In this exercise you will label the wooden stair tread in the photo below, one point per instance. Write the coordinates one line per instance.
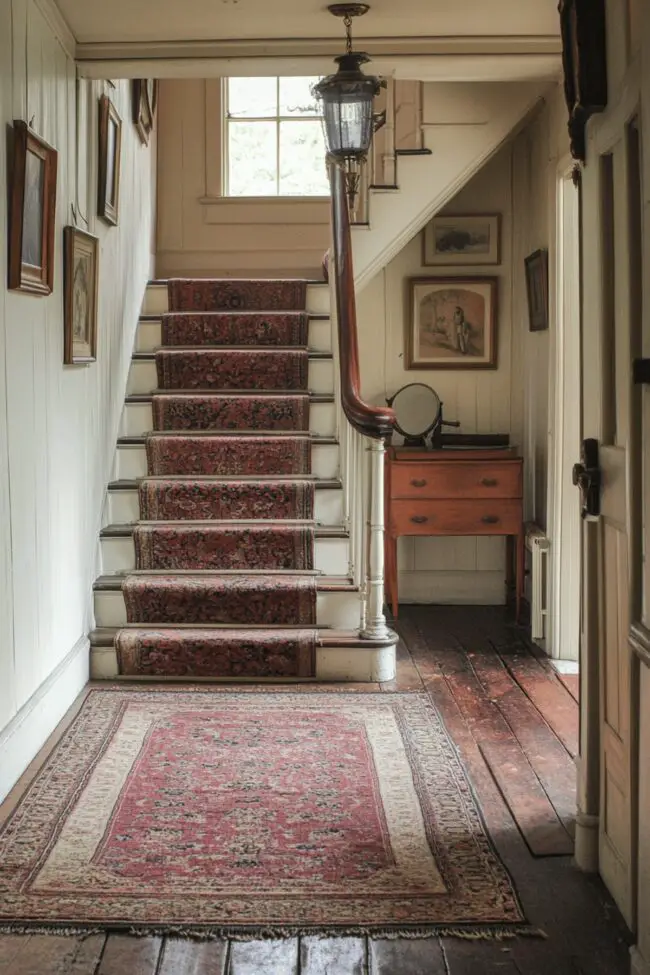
(113, 583)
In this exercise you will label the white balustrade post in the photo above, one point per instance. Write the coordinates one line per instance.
(375, 626)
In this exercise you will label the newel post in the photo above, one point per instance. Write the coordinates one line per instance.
(375, 623)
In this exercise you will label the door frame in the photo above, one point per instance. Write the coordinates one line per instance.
(565, 577)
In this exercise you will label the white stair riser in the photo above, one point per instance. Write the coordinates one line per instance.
(156, 303)
(332, 663)
(131, 461)
(143, 377)
(336, 609)
(148, 336)
(137, 419)
(330, 555)
(122, 507)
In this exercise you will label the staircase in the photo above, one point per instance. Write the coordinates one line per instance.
(225, 553)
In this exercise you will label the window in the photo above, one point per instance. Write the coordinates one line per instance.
(274, 138)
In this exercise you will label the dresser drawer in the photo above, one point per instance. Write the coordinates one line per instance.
(450, 517)
(456, 479)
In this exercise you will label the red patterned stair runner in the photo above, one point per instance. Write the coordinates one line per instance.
(223, 585)
(230, 412)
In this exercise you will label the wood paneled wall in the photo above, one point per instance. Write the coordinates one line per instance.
(58, 424)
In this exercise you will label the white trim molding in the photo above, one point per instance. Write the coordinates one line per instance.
(638, 964)
(30, 728)
(58, 25)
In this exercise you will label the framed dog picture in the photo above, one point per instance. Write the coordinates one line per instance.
(537, 290)
(32, 209)
(461, 240)
(453, 323)
(79, 296)
(110, 149)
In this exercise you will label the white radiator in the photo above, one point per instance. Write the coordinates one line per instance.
(538, 545)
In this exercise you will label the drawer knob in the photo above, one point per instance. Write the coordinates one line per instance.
(489, 481)
(419, 519)
(490, 519)
(418, 482)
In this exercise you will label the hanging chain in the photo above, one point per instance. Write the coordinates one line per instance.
(347, 20)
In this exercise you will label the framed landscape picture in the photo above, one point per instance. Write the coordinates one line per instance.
(79, 296)
(462, 240)
(453, 323)
(537, 290)
(110, 148)
(32, 208)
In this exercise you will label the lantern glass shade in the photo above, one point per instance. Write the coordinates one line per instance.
(347, 100)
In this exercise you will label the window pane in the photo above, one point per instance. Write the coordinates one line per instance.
(302, 159)
(296, 98)
(252, 97)
(252, 159)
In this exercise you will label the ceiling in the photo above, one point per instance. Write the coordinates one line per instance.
(165, 21)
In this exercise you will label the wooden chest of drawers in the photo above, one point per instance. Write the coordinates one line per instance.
(454, 492)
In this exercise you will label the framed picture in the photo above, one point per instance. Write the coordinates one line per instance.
(144, 94)
(584, 62)
(461, 240)
(537, 290)
(452, 324)
(110, 147)
(80, 272)
(32, 210)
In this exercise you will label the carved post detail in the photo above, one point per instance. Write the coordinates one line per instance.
(375, 623)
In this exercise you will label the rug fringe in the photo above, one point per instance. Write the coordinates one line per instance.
(225, 932)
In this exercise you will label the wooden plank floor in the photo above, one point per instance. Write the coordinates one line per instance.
(515, 724)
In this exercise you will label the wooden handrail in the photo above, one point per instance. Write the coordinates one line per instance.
(371, 421)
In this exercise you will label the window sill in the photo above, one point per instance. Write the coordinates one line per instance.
(210, 201)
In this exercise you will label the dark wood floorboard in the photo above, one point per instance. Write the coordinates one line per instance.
(331, 956)
(411, 957)
(180, 957)
(495, 694)
(255, 957)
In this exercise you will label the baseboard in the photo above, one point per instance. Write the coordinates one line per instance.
(638, 964)
(30, 728)
(484, 588)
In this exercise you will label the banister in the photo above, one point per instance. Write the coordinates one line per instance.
(371, 421)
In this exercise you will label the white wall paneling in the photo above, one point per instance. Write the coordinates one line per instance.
(58, 424)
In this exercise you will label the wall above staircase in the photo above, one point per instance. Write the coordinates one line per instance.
(58, 424)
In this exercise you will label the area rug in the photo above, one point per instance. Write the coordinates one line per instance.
(224, 328)
(247, 600)
(206, 411)
(206, 545)
(231, 652)
(254, 815)
(228, 455)
(196, 499)
(232, 368)
(222, 294)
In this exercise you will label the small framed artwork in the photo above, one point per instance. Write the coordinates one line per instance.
(453, 323)
(537, 290)
(110, 149)
(32, 210)
(144, 94)
(461, 240)
(80, 273)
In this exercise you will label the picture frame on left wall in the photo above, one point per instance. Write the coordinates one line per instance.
(80, 277)
(110, 152)
(32, 212)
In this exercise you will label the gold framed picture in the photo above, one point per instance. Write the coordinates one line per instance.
(80, 275)
(452, 324)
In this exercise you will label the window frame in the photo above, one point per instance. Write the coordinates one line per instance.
(276, 119)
